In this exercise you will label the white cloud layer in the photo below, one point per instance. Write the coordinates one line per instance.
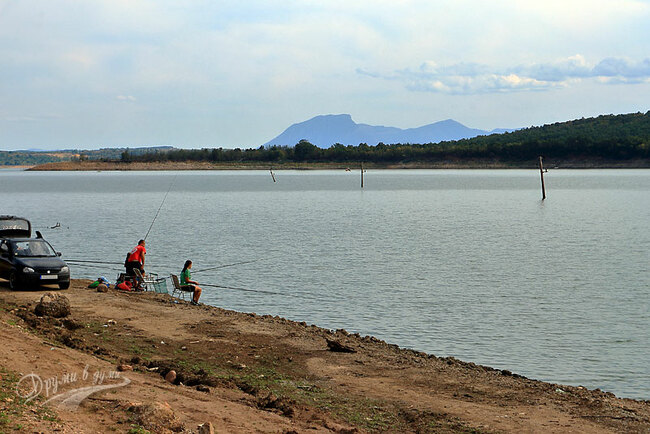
(472, 78)
(119, 72)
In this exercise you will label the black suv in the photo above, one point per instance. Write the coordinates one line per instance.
(27, 261)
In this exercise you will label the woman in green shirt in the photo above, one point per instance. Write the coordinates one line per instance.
(193, 284)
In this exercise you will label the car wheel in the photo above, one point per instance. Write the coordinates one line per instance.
(13, 281)
(64, 285)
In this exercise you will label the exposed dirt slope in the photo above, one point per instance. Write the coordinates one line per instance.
(248, 373)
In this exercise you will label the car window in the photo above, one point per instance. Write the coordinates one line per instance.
(33, 248)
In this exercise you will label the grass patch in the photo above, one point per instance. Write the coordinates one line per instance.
(367, 414)
(13, 408)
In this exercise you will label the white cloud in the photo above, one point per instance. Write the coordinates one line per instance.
(20, 119)
(472, 78)
(204, 71)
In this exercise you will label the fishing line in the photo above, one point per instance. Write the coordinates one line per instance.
(94, 262)
(227, 265)
(95, 266)
(264, 292)
(88, 264)
(161, 205)
(242, 289)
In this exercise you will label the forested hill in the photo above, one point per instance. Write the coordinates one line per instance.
(605, 138)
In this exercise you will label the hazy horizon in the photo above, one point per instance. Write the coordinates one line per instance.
(232, 147)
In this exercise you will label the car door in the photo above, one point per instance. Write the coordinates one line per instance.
(5, 260)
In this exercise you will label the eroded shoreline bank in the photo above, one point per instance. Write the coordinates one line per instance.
(245, 372)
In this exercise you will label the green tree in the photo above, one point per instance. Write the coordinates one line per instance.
(305, 151)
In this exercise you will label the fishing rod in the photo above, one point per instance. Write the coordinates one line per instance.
(94, 262)
(88, 264)
(81, 261)
(160, 207)
(227, 265)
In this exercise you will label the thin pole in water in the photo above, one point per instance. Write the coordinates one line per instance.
(541, 172)
(272, 174)
(362, 175)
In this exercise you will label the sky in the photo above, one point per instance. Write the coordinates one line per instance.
(115, 73)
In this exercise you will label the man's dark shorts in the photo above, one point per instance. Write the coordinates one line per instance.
(131, 265)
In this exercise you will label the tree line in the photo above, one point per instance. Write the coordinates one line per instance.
(611, 137)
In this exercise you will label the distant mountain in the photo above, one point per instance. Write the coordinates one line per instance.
(326, 130)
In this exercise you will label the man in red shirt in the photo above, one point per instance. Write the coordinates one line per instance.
(136, 258)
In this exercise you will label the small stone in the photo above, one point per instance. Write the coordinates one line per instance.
(184, 348)
(206, 428)
(203, 388)
(53, 305)
(338, 347)
(123, 368)
(157, 417)
(102, 288)
(171, 376)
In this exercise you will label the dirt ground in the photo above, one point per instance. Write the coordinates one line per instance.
(247, 373)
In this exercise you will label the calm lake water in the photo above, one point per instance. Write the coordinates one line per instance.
(470, 264)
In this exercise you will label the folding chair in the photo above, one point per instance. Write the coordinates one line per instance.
(180, 289)
(160, 286)
(140, 279)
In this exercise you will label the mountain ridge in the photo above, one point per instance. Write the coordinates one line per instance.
(327, 130)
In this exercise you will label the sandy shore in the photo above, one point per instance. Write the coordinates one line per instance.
(248, 373)
(25, 167)
(198, 165)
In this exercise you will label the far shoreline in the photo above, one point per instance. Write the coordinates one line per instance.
(352, 166)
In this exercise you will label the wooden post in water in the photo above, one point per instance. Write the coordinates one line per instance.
(362, 175)
(272, 174)
(541, 172)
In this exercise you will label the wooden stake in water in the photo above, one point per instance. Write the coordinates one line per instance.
(272, 174)
(541, 172)
(362, 175)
